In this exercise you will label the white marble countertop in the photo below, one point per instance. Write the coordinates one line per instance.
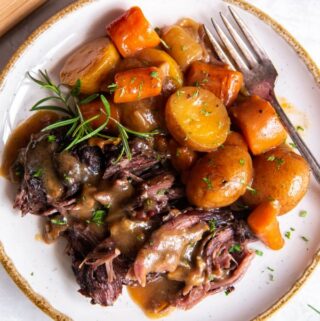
(302, 19)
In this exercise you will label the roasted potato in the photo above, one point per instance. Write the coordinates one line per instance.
(259, 124)
(219, 178)
(182, 157)
(279, 174)
(132, 32)
(181, 46)
(196, 118)
(143, 115)
(90, 63)
(156, 57)
(223, 82)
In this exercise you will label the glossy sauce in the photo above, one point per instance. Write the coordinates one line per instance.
(154, 298)
(20, 138)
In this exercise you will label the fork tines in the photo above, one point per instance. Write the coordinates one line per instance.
(246, 60)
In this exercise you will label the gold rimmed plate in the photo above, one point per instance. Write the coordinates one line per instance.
(52, 286)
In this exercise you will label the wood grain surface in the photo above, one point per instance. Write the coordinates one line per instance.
(12, 11)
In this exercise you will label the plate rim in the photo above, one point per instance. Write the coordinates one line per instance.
(5, 260)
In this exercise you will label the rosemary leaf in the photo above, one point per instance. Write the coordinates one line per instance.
(88, 99)
(93, 133)
(124, 138)
(61, 123)
(75, 91)
(43, 100)
(106, 104)
(51, 107)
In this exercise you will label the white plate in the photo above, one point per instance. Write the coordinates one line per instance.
(47, 270)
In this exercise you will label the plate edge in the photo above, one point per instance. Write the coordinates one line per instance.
(5, 260)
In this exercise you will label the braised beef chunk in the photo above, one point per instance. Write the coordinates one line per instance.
(31, 197)
(92, 157)
(204, 250)
(100, 274)
(127, 222)
(155, 195)
(144, 157)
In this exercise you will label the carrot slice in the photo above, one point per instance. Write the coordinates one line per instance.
(259, 124)
(224, 83)
(136, 84)
(95, 108)
(263, 222)
(132, 32)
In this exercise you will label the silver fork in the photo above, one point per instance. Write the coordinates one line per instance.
(259, 74)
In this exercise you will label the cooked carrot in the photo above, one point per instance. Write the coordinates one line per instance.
(263, 222)
(96, 108)
(136, 84)
(224, 83)
(236, 139)
(182, 157)
(259, 124)
(132, 32)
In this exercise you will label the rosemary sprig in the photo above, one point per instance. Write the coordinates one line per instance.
(80, 128)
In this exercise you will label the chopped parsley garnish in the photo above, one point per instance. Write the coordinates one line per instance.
(303, 213)
(270, 269)
(98, 217)
(52, 138)
(204, 112)
(207, 180)
(235, 248)
(140, 237)
(313, 308)
(292, 229)
(179, 92)
(271, 277)
(154, 74)
(299, 128)
(59, 221)
(304, 238)
(38, 173)
(229, 290)
(293, 145)
(164, 44)
(32, 274)
(242, 161)
(112, 87)
(161, 191)
(252, 190)
(279, 161)
(196, 93)
(258, 252)
(211, 277)
(140, 89)
(287, 235)
(212, 225)
(122, 91)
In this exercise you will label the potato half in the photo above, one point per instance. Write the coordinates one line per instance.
(281, 175)
(90, 63)
(196, 118)
(219, 178)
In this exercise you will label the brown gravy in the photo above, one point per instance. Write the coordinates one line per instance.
(20, 138)
(154, 298)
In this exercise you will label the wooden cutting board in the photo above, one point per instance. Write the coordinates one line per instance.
(12, 11)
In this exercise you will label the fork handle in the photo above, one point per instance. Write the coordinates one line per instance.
(296, 138)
